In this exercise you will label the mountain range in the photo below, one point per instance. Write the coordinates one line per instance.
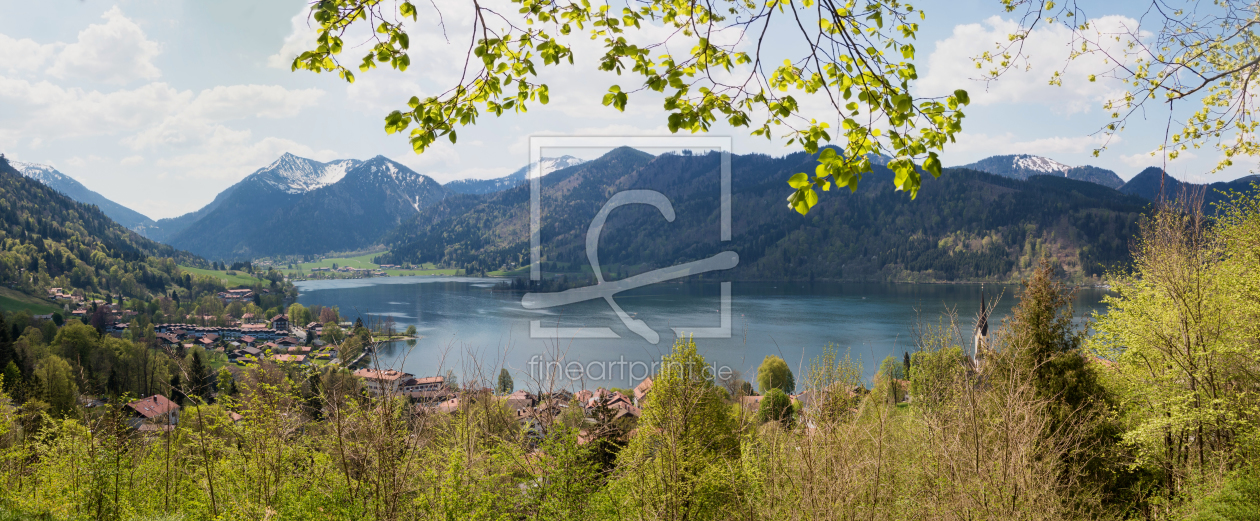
(301, 206)
(1147, 185)
(63, 183)
(49, 240)
(1023, 166)
(967, 225)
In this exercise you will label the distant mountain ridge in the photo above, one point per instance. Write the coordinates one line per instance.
(1023, 166)
(485, 186)
(65, 184)
(297, 205)
(1147, 186)
(967, 225)
(51, 240)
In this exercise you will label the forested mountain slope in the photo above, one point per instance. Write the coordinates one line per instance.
(63, 183)
(49, 240)
(300, 206)
(967, 225)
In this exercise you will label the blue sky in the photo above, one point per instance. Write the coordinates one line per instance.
(159, 105)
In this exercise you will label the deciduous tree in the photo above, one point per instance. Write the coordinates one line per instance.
(855, 62)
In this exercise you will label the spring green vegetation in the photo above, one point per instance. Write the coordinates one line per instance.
(11, 300)
(48, 240)
(230, 278)
(363, 262)
(1156, 416)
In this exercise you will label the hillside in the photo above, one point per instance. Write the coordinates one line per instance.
(967, 225)
(49, 240)
(1024, 166)
(63, 183)
(301, 206)
(1147, 186)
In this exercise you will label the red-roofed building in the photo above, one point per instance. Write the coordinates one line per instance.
(641, 391)
(381, 382)
(154, 409)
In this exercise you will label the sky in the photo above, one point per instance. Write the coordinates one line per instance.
(161, 104)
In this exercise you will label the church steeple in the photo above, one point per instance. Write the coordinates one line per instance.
(983, 326)
(982, 333)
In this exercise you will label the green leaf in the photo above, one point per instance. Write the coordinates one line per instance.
(799, 181)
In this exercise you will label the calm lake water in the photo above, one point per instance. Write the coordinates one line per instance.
(468, 327)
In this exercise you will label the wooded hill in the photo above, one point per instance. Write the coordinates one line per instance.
(967, 225)
(49, 240)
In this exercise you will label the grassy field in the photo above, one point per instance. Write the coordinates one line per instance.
(11, 300)
(240, 279)
(364, 262)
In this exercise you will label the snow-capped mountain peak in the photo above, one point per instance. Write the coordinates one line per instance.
(42, 173)
(1039, 164)
(297, 175)
(548, 165)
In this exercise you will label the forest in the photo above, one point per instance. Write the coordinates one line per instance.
(970, 226)
(1148, 412)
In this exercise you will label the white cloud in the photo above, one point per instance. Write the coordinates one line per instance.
(164, 115)
(951, 65)
(114, 52)
(440, 153)
(1155, 158)
(241, 101)
(232, 155)
(48, 111)
(80, 162)
(301, 39)
(24, 55)
(131, 160)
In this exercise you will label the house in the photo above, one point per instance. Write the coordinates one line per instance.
(156, 409)
(431, 383)
(562, 396)
(246, 339)
(431, 397)
(641, 391)
(285, 359)
(280, 322)
(237, 295)
(288, 342)
(521, 400)
(380, 382)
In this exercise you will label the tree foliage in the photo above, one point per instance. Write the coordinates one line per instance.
(1181, 334)
(775, 406)
(1196, 53)
(774, 373)
(857, 60)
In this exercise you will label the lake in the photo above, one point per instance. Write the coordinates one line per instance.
(469, 327)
